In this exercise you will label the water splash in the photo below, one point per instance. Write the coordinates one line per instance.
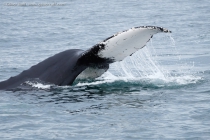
(160, 65)
(173, 44)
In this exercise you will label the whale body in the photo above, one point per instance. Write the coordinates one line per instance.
(63, 68)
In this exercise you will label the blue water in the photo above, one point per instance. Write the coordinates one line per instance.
(161, 92)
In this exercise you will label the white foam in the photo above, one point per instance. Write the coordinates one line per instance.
(95, 83)
(38, 85)
(157, 80)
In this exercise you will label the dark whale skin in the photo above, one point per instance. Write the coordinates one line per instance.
(60, 69)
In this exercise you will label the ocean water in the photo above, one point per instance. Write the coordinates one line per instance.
(161, 92)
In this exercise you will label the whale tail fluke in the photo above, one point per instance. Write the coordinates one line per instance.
(116, 48)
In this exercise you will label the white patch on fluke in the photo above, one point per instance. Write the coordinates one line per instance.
(126, 43)
(91, 73)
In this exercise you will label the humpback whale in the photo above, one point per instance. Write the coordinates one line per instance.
(63, 68)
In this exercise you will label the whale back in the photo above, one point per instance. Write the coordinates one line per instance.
(60, 69)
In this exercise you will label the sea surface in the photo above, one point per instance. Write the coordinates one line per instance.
(161, 92)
